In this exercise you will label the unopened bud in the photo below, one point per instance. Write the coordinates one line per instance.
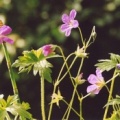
(79, 80)
(80, 52)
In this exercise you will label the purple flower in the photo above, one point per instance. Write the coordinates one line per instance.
(69, 22)
(5, 30)
(47, 49)
(97, 82)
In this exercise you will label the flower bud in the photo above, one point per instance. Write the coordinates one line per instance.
(94, 34)
(79, 80)
(80, 52)
(48, 49)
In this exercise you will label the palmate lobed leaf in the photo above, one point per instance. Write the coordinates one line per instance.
(108, 64)
(114, 101)
(12, 106)
(35, 60)
(115, 57)
(116, 113)
(19, 109)
(105, 65)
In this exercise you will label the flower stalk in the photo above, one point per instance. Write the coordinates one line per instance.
(43, 98)
(15, 89)
(110, 95)
(71, 102)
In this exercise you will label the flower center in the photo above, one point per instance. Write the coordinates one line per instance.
(71, 23)
(100, 84)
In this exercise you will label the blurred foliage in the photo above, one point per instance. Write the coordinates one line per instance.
(37, 22)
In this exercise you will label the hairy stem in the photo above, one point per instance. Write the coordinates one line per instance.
(71, 102)
(15, 90)
(43, 98)
(110, 95)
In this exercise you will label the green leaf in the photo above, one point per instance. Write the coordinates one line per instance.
(114, 101)
(3, 114)
(108, 64)
(29, 58)
(47, 74)
(115, 57)
(12, 99)
(3, 104)
(12, 106)
(115, 116)
(19, 109)
(26, 106)
(105, 64)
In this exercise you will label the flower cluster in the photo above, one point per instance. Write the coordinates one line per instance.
(37, 60)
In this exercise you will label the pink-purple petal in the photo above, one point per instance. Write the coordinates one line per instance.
(65, 18)
(67, 32)
(6, 39)
(64, 27)
(4, 30)
(75, 24)
(94, 89)
(99, 73)
(47, 49)
(72, 14)
(93, 79)
(69, 22)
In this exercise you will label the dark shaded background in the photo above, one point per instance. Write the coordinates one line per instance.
(37, 22)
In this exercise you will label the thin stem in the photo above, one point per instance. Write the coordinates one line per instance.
(65, 62)
(15, 90)
(81, 118)
(71, 108)
(57, 81)
(88, 42)
(81, 64)
(81, 100)
(81, 35)
(112, 78)
(51, 105)
(83, 97)
(110, 95)
(68, 69)
(43, 98)
(71, 102)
